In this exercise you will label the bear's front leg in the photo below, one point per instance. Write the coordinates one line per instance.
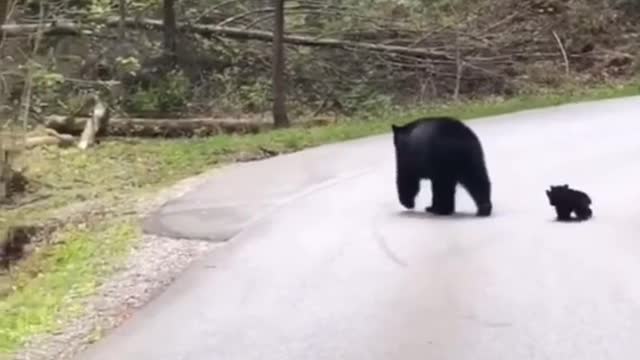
(564, 213)
(435, 199)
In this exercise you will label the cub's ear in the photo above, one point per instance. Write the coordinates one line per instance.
(395, 128)
(548, 192)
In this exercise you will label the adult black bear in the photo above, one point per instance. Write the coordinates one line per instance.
(567, 200)
(447, 152)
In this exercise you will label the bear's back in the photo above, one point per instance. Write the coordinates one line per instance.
(442, 127)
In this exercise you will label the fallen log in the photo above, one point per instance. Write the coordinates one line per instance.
(165, 128)
(63, 141)
(49, 137)
(172, 128)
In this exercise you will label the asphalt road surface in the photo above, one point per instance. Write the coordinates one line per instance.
(324, 263)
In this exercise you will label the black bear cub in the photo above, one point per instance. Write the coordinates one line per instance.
(567, 200)
(447, 152)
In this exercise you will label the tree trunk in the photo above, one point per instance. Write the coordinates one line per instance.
(5, 6)
(280, 118)
(169, 23)
(4, 9)
(123, 18)
(99, 121)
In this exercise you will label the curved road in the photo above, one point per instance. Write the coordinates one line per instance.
(325, 264)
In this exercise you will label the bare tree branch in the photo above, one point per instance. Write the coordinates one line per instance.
(562, 51)
(69, 28)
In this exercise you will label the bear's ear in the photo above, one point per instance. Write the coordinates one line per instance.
(395, 128)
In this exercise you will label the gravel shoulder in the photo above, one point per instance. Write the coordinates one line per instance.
(151, 266)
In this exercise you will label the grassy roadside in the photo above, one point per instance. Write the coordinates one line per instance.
(50, 281)
(45, 288)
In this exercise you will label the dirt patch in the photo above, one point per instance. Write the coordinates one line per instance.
(14, 243)
(16, 187)
(17, 241)
(17, 183)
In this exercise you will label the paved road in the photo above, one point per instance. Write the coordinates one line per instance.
(329, 266)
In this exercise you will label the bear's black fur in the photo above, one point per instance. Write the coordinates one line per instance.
(447, 152)
(567, 200)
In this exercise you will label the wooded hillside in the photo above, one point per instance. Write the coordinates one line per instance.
(342, 55)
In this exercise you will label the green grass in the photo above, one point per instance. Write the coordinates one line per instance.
(49, 283)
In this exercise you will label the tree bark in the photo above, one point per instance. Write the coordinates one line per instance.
(280, 118)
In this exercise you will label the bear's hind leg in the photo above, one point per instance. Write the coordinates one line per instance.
(443, 197)
(583, 213)
(479, 187)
